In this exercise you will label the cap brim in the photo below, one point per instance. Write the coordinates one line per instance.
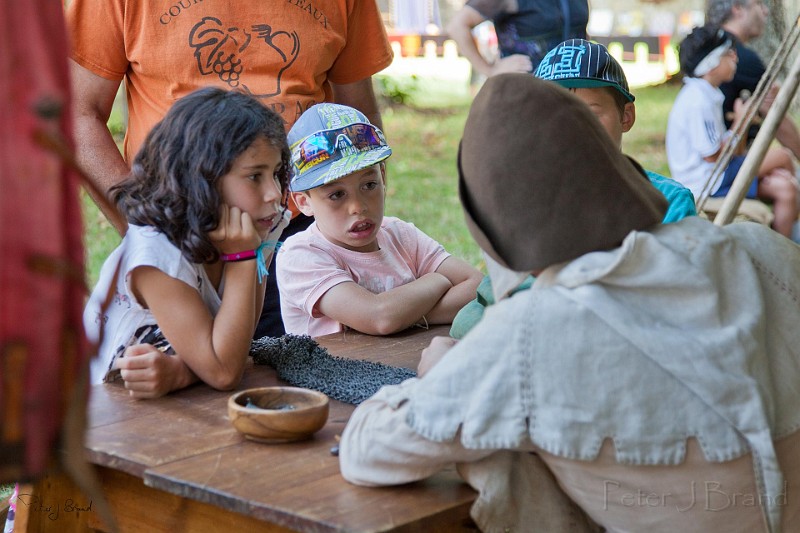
(592, 83)
(327, 172)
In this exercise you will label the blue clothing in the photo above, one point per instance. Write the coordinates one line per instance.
(749, 71)
(681, 200)
(730, 176)
(533, 27)
(681, 205)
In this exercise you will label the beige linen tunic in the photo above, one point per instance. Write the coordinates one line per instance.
(683, 337)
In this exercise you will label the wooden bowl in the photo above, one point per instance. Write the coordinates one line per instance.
(278, 414)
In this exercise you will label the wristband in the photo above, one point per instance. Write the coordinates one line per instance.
(239, 256)
(257, 254)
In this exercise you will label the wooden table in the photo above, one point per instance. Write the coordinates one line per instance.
(176, 464)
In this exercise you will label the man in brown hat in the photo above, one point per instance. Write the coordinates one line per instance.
(650, 370)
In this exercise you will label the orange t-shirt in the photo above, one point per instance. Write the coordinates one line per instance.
(285, 53)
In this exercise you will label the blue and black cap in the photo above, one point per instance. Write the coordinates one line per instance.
(582, 64)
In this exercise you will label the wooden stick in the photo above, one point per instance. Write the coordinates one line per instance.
(755, 156)
(742, 126)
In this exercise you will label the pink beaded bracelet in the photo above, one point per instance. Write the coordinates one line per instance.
(239, 256)
(258, 254)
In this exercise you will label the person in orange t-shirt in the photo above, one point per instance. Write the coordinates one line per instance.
(291, 55)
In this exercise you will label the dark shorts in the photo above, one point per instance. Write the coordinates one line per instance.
(730, 175)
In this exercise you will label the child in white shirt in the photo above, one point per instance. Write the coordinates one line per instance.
(696, 133)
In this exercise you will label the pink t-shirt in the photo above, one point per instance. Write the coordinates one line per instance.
(308, 265)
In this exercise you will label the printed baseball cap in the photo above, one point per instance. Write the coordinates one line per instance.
(581, 64)
(330, 141)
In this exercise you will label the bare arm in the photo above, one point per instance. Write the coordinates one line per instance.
(215, 348)
(787, 133)
(97, 153)
(460, 30)
(465, 280)
(789, 136)
(361, 96)
(739, 111)
(387, 312)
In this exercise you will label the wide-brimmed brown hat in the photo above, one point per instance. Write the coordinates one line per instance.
(540, 180)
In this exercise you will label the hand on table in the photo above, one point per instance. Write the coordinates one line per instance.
(150, 373)
(434, 353)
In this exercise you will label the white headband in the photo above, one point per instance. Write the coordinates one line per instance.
(711, 61)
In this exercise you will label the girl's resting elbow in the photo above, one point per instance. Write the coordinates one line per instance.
(225, 381)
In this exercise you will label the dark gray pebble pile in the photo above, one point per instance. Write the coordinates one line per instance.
(300, 361)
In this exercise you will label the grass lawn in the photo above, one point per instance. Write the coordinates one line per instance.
(422, 179)
(645, 141)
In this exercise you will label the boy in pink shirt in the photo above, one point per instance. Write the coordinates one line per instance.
(352, 267)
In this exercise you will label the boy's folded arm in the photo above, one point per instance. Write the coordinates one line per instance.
(465, 280)
(388, 312)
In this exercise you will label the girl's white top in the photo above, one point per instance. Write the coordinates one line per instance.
(125, 321)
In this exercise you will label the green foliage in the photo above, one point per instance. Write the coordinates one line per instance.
(422, 178)
(118, 119)
(396, 90)
(100, 239)
(5, 493)
(645, 141)
(117, 127)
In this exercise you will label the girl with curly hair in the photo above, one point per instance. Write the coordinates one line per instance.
(179, 299)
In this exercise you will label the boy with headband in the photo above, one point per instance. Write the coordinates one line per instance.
(696, 133)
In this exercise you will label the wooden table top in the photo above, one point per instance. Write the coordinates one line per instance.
(184, 444)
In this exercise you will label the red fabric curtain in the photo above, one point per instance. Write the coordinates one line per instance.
(42, 346)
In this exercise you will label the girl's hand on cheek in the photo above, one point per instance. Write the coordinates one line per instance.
(235, 232)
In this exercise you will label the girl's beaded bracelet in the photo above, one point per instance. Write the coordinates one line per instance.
(239, 256)
(258, 254)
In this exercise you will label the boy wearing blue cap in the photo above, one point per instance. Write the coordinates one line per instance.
(589, 71)
(353, 267)
(595, 77)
